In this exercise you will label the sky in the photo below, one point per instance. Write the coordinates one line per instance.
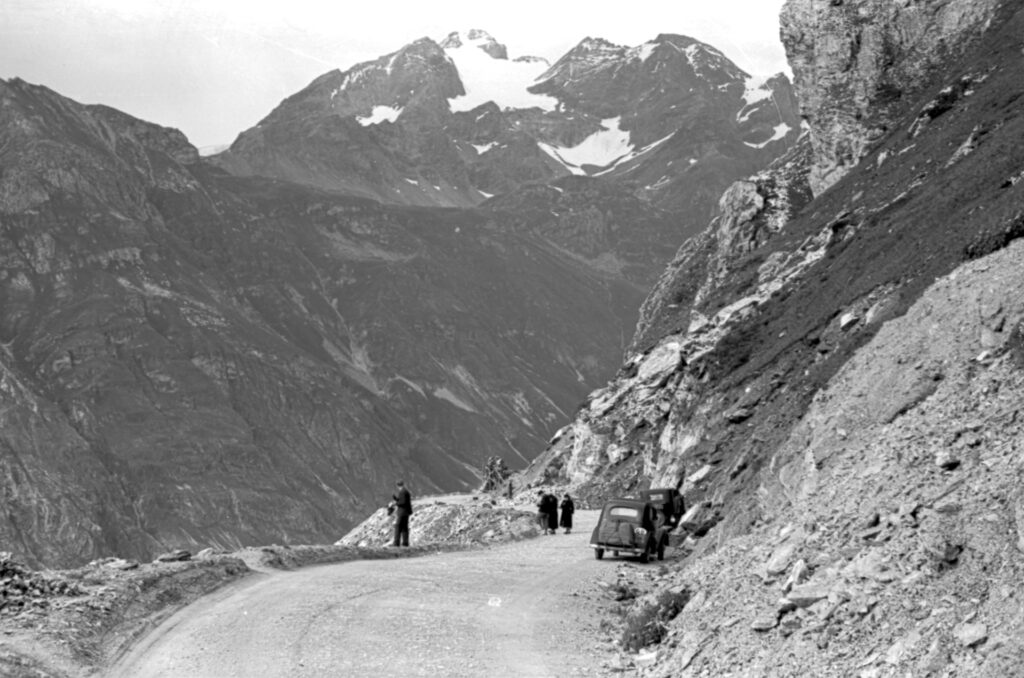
(213, 68)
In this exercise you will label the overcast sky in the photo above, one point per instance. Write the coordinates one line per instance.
(213, 68)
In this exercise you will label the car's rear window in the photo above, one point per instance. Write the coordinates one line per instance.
(624, 512)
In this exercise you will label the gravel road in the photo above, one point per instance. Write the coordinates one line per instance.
(520, 609)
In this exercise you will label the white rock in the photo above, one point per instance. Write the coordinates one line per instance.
(662, 360)
(700, 475)
(970, 635)
(646, 658)
(781, 558)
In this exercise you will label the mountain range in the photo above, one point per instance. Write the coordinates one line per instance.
(391, 275)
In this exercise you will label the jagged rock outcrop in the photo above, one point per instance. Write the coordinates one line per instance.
(857, 63)
(751, 212)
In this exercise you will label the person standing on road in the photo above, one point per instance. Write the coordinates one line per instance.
(403, 509)
(542, 511)
(568, 508)
(552, 511)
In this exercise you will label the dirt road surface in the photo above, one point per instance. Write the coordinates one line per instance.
(521, 609)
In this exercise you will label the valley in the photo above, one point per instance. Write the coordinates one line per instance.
(799, 304)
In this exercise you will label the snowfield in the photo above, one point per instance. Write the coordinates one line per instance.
(499, 80)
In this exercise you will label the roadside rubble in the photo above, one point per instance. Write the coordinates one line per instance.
(892, 523)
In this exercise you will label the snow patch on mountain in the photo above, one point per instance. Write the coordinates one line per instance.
(486, 78)
(483, 148)
(756, 91)
(632, 155)
(205, 151)
(781, 130)
(599, 149)
(445, 394)
(379, 114)
(644, 51)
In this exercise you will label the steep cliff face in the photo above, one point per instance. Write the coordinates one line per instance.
(836, 388)
(858, 63)
(759, 312)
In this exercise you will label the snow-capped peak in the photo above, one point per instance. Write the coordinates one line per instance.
(475, 38)
(589, 44)
(488, 75)
(642, 52)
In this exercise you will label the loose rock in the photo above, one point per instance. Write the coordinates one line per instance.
(970, 635)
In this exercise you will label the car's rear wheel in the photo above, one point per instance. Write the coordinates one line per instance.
(599, 553)
(645, 557)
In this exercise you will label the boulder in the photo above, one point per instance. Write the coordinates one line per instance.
(797, 575)
(661, 362)
(699, 475)
(970, 635)
(646, 658)
(780, 559)
(738, 415)
(174, 556)
(806, 595)
(946, 459)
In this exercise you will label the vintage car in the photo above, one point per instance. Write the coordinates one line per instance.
(667, 500)
(632, 527)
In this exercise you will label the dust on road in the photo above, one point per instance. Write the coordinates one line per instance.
(520, 609)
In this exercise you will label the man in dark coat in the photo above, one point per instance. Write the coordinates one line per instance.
(552, 511)
(542, 511)
(403, 509)
(568, 508)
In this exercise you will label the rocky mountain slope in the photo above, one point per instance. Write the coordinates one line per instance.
(835, 382)
(194, 359)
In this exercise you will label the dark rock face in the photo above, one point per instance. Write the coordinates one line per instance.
(194, 359)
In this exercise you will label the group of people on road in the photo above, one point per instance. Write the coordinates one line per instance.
(548, 509)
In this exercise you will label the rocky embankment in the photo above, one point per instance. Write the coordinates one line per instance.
(836, 382)
(895, 542)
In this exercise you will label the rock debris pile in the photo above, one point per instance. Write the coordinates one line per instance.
(22, 588)
(894, 522)
(455, 520)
